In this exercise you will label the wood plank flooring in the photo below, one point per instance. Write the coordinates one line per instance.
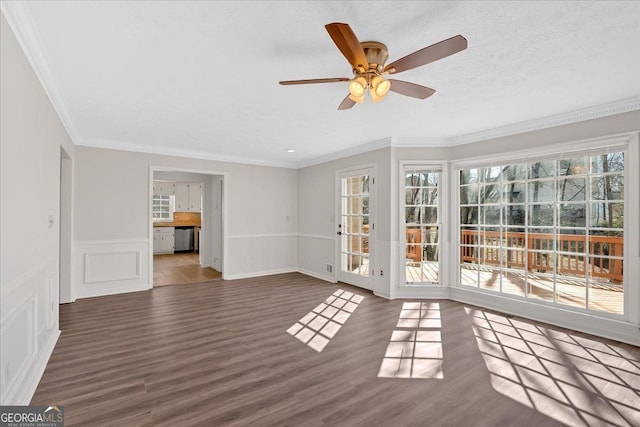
(219, 354)
(181, 268)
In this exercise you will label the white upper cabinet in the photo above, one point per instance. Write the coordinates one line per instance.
(182, 197)
(164, 187)
(188, 197)
(195, 197)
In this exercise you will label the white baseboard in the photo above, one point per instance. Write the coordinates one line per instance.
(615, 329)
(116, 290)
(618, 330)
(260, 273)
(324, 277)
(385, 295)
(24, 394)
(431, 292)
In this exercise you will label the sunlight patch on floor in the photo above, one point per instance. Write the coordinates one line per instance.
(322, 323)
(415, 348)
(570, 378)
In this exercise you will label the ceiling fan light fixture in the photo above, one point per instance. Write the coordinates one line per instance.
(357, 87)
(374, 96)
(380, 86)
(358, 99)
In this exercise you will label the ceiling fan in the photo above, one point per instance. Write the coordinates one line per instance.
(367, 60)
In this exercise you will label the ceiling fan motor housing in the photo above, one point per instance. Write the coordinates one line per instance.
(377, 55)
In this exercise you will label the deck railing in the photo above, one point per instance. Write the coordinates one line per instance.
(605, 252)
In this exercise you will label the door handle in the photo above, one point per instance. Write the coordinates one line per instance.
(339, 233)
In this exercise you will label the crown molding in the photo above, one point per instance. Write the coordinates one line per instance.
(420, 142)
(21, 23)
(353, 151)
(179, 152)
(603, 110)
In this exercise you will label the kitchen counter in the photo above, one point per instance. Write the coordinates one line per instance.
(175, 224)
(181, 219)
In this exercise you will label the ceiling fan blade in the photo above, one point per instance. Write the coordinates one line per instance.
(428, 54)
(346, 103)
(410, 89)
(348, 43)
(309, 81)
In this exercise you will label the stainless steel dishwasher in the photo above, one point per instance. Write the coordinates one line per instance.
(183, 239)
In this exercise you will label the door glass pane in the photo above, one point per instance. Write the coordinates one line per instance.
(355, 225)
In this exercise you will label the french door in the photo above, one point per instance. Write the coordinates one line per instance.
(355, 227)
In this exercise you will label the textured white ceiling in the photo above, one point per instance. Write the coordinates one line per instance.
(202, 77)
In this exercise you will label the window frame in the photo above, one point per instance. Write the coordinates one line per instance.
(617, 143)
(441, 167)
(172, 202)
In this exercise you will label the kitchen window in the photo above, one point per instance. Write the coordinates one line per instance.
(163, 207)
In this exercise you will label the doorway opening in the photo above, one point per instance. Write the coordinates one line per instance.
(186, 220)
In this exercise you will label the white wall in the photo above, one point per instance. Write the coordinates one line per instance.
(31, 136)
(112, 218)
(318, 223)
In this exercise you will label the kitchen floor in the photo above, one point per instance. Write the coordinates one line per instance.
(181, 268)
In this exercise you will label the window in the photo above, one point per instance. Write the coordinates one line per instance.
(422, 226)
(549, 230)
(163, 206)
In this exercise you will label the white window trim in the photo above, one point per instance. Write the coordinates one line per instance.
(629, 143)
(441, 166)
(619, 142)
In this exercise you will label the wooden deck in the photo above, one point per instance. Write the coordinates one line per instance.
(603, 296)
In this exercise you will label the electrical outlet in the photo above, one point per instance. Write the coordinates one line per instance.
(329, 268)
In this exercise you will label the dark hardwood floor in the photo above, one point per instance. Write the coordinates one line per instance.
(293, 350)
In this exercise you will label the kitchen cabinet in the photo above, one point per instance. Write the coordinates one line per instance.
(164, 187)
(195, 197)
(163, 240)
(188, 197)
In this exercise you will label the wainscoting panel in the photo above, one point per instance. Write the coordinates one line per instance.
(20, 330)
(260, 255)
(316, 256)
(28, 330)
(105, 267)
(111, 266)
